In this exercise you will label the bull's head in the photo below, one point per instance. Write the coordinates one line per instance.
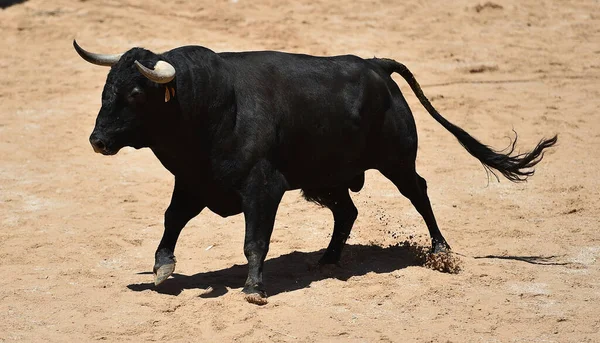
(132, 95)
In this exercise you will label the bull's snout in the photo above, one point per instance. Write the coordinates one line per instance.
(99, 144)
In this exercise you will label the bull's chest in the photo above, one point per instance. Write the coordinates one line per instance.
(192, 170)
(223, 202)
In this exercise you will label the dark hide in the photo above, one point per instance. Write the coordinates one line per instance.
(244, 128)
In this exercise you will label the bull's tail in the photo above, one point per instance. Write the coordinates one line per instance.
(516, 168)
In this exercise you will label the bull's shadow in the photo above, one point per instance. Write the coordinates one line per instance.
(7, 3)
(292, 271)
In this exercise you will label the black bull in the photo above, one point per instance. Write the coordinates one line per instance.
(238, 130)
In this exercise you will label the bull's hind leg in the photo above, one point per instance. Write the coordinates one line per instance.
(414, 187)
(344, 213)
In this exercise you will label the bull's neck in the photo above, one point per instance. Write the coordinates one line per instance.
(203, 108)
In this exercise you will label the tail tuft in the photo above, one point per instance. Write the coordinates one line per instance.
(516, 168)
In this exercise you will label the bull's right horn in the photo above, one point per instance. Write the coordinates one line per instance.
(163, 72)
(98, 59)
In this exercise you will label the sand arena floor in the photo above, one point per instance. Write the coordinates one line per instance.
(79, 230)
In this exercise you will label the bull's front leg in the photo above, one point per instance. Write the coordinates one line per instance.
(261, 195)
(184, 206)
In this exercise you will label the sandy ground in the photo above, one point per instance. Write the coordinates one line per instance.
(79, 230)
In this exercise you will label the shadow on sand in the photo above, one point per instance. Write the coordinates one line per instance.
(540, 260)
(7, 3)
(292, 271)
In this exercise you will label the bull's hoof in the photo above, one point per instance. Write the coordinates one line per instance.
(163, 272)
(255, 294)
(328, 269)
(440, 247)
(256, 299)
(164, 266)
(329, 259)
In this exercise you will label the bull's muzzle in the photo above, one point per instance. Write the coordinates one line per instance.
(100, 145)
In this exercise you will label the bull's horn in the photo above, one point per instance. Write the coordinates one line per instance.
(99, 59)
(163, 72)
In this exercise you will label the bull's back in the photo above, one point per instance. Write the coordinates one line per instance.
(323, 111)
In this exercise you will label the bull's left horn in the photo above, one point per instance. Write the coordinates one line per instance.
(98, 59)
(163, 72)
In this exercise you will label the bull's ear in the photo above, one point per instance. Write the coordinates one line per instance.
(163, 72)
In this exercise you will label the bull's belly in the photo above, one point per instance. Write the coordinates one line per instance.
(227, 203)
(321, 168)
(223, 202)
(323, 175)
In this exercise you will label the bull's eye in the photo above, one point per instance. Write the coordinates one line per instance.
(136, 96)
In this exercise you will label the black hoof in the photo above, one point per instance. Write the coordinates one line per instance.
(329, 259)
(255, 289)
(255, 294)
(164, 266)
(440, 247)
